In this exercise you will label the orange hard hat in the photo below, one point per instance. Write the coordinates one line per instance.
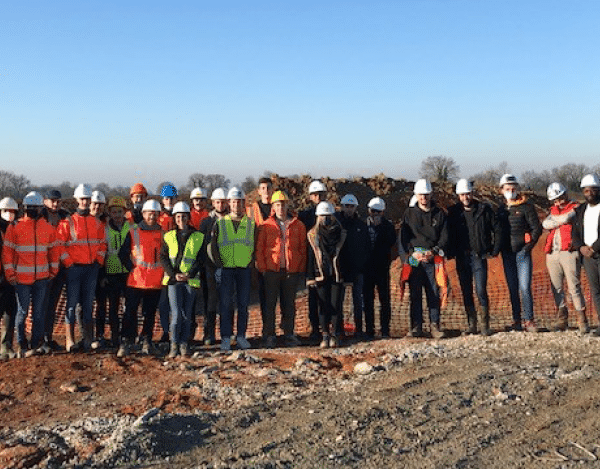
(138, 188)
(117, 202)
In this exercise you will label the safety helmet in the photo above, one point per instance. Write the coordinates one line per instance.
(138, 188)
(349, 199)
(324, 208)
(181, 207)
(198, 193)
(83, 191)
(590, 180)
(117, 202)
(98, 197)
(376, 203)
(463, 186)
(555, 190)
(508, 179)
(33, 199)
(151, 206)
(316, 186)
(8, 203)
(218, 194)
(168, 190)
(54, 194)
(235, 193)
(422, 186)
(279, 196)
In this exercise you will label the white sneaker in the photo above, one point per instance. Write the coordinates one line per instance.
(242, 342)
(226, 344)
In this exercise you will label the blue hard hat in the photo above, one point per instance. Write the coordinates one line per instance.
(168, 190)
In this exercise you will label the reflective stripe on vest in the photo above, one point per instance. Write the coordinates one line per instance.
(236, 248)
(114, 241)
(190, 252)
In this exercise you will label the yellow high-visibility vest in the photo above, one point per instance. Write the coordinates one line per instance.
(236, 247)
(190, 252)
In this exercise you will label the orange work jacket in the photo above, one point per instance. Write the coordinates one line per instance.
(82, 240)
(197, 216)
(269, 246)
(147, 272)
(166, 221)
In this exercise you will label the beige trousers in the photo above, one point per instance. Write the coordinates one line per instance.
(561, 265)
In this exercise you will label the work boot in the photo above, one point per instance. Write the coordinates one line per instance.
(70, 345)
(173, 351)
(123, 348)
(562, 320)
(416, 331)
(88, 336)
(584, 327)
(21, 351)
(472, 321)
(484, 321)
(530, 326)
(147, 347)
(3, 353)
(436, 332)
(325, 342)
(184, 350)
(334, 341)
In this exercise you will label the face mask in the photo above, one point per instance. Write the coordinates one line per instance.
(510, 195)
(6, 216)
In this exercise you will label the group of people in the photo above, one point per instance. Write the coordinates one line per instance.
(184, 262)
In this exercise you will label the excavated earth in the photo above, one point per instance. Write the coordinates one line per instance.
(514, 399)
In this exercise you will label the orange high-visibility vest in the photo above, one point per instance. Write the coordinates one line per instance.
(147, 272)
(82, 240)
(30, 251)
(255, 214)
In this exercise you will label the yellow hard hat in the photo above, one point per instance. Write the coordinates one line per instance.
(279, 196)
(117, 202)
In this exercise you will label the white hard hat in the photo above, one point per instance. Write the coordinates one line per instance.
(181, 207)
(316, 186)
(8, 203)
(235, 193)
(198, 193)
(590, 180)
(218, 194)
(464, 186)
(33, 199)
(349, 199)
(555, 190)
(376, 203)
(83, 191)
(151, 205)
(508, 179)
(422, 186)
(98, 197)
(324, 208)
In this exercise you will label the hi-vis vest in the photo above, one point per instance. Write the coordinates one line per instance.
(236, 248)
(145, 251)
(190, 251)
(115, 239)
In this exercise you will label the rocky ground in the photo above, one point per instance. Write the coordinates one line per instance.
(511, 400)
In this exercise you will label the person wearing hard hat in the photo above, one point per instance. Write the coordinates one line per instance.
(474, 236)
(53, 213)
(561, 261)
(521, 229)
(8, 209)
(210, 288)
(137, 195)
(586, 236)
(323, 273)
(281, 258)
(8, 302)
(317, 192)
(354, 255)
(181, 257)
(112, 278)
(140, 255)
(424, 235)
(83, 240)
(30, 258)
(382, 238)
(199, 205)
(232, 250)
(97, 206)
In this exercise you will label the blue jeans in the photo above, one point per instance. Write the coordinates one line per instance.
(182, 299)
(517, 270)
(26, 294)
(81, 289)
(471, 266)
(240, 279)
(423, 276)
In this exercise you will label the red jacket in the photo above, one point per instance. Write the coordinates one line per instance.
(147, 272)
(82, 240)
(166, 221)
(269, 246)
(197, 216)
(30, 251)
(565, 229)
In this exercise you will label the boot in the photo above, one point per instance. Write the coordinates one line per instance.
(88, 336)
(562, 319)
(484, 321)
(123, 348)
(3, 352)
(184, 350)
(584, 327)
(472, 321)
(70, 344)
(436, 332)
(173, 351)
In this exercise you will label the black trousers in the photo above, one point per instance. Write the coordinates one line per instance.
(381, 282)
(330, 297)
(149, 300)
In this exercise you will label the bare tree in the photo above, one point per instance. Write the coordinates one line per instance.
(249, 184)
(536, 181)
(491, 176)
(213, 181)
(570, 175)
(196, 180)
(439, 168)
(14, 185)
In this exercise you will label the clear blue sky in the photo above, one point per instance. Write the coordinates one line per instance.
(124, 91)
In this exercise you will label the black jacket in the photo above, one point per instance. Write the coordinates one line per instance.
(485, 237)
(423, 229)
(577, 233)
(308, 217)
(380, 251)
(355, 251)
(517, 221)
